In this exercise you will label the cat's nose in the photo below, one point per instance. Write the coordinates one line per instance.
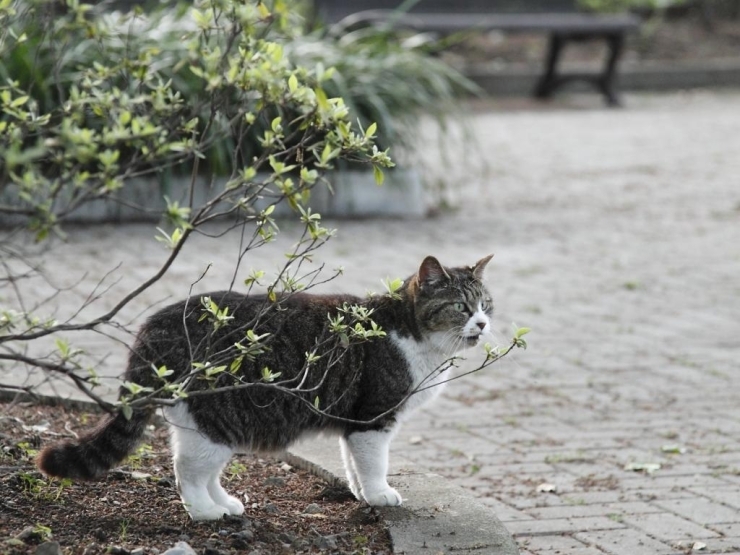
(481, 325)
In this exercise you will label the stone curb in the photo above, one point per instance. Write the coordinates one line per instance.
(436, 517)
(517, 81)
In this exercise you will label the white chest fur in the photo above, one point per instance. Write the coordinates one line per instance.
(428, 369)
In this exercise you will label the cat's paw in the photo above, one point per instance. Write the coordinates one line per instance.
(233, 505)
(207, 512)
(387, 497)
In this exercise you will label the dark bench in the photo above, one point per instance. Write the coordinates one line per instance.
(561, 19)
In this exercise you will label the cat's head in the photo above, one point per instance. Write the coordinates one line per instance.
(453, 308)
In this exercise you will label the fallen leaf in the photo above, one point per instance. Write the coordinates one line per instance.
(673, 449)
(37, 428)
(647, 468)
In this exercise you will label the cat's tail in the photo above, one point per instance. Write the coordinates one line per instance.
(97, 451)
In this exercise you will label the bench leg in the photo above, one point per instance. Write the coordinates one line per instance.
(549, 81)
(607, 81)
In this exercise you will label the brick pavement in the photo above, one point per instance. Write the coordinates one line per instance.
(617, 239)
(619, 242)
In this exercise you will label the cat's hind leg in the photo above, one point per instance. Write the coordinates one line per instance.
(198, 462)
(349, 467)
(369, 451)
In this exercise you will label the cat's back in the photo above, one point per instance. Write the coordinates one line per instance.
(239, 309)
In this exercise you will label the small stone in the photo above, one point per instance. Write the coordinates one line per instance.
(270, 508)
(241, 540)
(165, 483)
(26, 534)
(91, 549)
(118, 550)
(326, 542)
(285, 467)
(313, 509)
(239, 520)
(286, 538)
(49, 548)
(100, 535)
(137, 551)
(245, 535)
(180, 548)
(223, 533)
(276, 481)
(301, 545)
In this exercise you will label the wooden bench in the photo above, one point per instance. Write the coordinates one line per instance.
(560, 19)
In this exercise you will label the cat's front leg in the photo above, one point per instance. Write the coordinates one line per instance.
(369, 452)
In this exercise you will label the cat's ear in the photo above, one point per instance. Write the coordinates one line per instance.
(431, 271)
(479, 267)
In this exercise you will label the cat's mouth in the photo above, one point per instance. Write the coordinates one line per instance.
(470, 340)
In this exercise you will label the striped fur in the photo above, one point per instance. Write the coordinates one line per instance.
(97, 451)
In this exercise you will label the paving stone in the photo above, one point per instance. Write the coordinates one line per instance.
(729, 530)
(561, 543)
(561, 525)
(714, 545)
(726, 495)
(609, 510)
(669, 527)
(701, 510)
(625, 542)
(503, 511)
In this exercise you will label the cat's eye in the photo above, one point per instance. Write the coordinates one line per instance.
(460, 307)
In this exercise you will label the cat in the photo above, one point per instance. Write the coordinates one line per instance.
(362, 395)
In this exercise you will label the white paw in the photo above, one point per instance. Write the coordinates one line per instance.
(207, 512)
(233, 505)
(387, 497)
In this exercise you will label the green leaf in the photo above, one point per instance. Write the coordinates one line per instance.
(378, 174)
(18, 102)
(316, 402)
(127, 411)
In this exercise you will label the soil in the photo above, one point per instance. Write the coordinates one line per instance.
(684, 38)
(136, 510)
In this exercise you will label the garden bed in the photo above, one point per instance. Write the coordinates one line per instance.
(136, 509)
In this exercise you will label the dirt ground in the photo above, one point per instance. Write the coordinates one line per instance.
(136, 509)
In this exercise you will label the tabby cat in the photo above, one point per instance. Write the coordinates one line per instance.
(362, 395)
